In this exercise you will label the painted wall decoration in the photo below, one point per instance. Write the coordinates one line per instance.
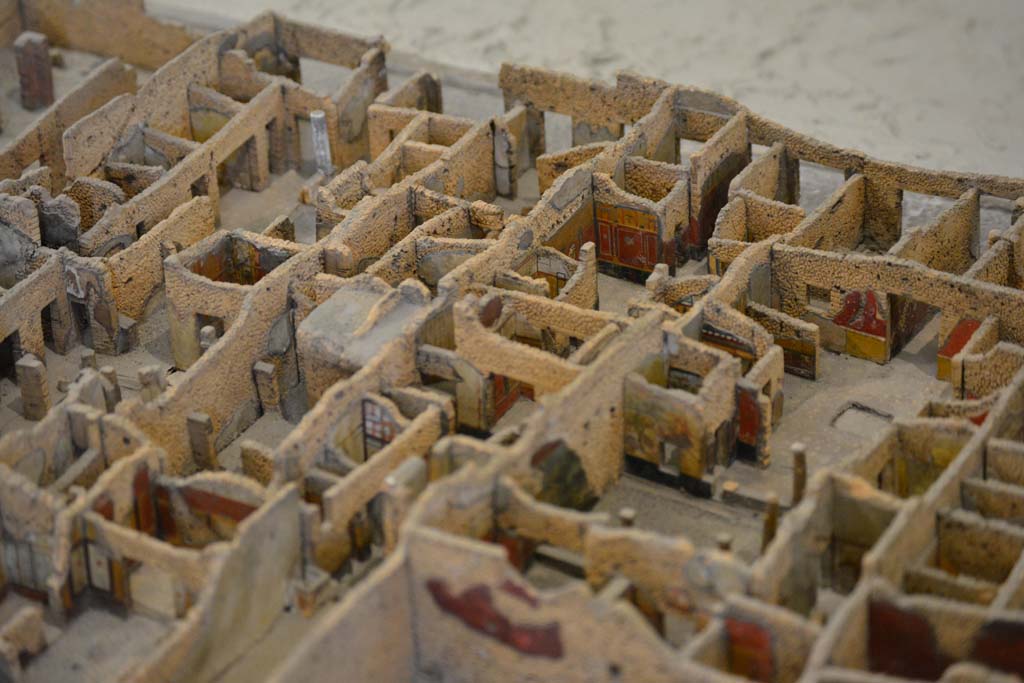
(727, 341)
(627, 237)
(750, 423)
(379, 429)
(506, 392)
(867, 329)
(908, 318)
(799, 356)
(577, 230)
(475, 608)
(554, 271)
(956, 341)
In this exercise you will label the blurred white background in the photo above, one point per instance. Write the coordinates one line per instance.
(935, 83)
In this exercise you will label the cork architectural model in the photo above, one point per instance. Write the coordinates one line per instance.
(313, 371)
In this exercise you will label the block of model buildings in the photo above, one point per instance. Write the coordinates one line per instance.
(299, 386)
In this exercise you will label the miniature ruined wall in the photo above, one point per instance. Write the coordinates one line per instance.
(21, 306)
(103, 523)
(564, 217)
(552, 165)
(615, 206)
(748, 218)
(773, 175)
(28, 519)
(318, 429)
(372, 228)
(482, 342)
(206, 507)
(800, 340)
(820, 543)
(42, 141)
(365, 56)
(747, 280)
(593, 426)
(537, 636)
(21, 232)
(190, 294)
(243, 599)
(678, 293)
(564, 210)
(837, 224)
(382, 608)
(872, 636)
(343, 500)
(652, 564)
(754, 641)
(954, 296)
(223, 372)
(44, 451)
(436, 256)
(711, 171)
(124, 544)
(658, 417)
(138, 270)
(519, 515)
(108, 27)
(950, 243)
(923, 449)
(581, 289)
(983, 364)
(89, 140)
(999, 263)
(596, 103)
(653, 136)
(212, 279)
(916, 528)
(400, 261)
(88, 282)
(469, 165)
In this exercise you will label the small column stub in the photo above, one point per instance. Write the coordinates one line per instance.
(35, 70)
(799, 471)
(152, 381)
(771, 521)
(87, 359)
(34, 385)
(112, 394)
(207, 337)
(321, 143)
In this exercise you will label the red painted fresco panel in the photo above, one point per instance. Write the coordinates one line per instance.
(475, 608)
(630, 247)
(860, 313)
(750, 649)
(212, 504)
(145, 514)
(959, 337)
(749, 416)
(650, 250)
(605, 243)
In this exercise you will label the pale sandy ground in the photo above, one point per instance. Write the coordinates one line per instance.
(936, 83)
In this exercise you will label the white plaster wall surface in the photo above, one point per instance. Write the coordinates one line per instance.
(937, 83)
